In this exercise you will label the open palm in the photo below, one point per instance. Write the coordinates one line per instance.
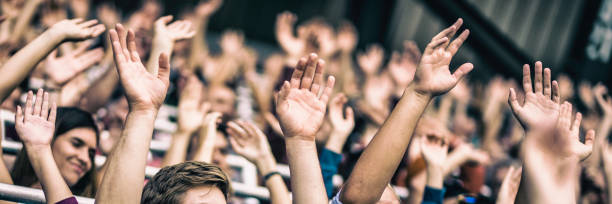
(299, 108)
(35, 124)
(144, 90)
(541, 106)
(567, 135)
(433, 75)
(248, 141)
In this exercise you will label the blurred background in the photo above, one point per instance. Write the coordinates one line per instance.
(573, 37)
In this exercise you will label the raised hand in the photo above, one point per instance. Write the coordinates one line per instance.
(207, 8)
(144, 91)
(541, 103)
(178, 30)
(35, 123)
(433, 76)
(371, 60)
(403, 65)
(191, 109)
(76, 29)
(434, 151)
(232, 42)
(299, 107)
(567, 135)
(603, 101)
(346, 39)
(61, 69)
(284, 34)
(248, 141)
(342, 122)
(510, 185)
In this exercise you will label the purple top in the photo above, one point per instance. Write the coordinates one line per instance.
(70, 200)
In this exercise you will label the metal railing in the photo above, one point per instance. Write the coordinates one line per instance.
(22, 194)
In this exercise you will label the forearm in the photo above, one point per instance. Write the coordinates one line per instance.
(24, 19)
(177, 152)
(124, 179)
(198, 43)
(601, 133)
(101, 91)
(160, 45)
(207, 145)
(336, 141)
(275, 184)
(435, 176)
(17, 68)
(48, 174)
(5, 175)
(306, 179)
(445, 109)
(453, 161)
(546, 179)
(390, 143)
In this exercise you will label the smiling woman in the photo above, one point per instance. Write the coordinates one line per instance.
(74, 146)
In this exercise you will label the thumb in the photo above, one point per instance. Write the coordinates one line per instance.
(463, 70)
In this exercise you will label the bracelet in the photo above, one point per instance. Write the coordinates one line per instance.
(268, 175)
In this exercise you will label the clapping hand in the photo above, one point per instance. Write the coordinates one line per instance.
(299, 107)
(145, 91)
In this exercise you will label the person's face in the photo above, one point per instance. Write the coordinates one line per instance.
(73, 151)
(203, 194)
(222, 100)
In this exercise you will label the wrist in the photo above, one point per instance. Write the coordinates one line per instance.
(266, 164)
(54, 35)
(411, 91)
(336, 141)
(34, 150)
(435, 176)
(143, 111)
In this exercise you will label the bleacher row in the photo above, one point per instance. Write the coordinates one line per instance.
(247, 187)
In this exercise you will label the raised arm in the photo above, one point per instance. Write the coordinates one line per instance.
(248, 141)
(434, 150)
(164, 37)
(61, 69)
(208, 135)
(509, 187)
(198, 44)
(301, 112)
(342, 121)
(385, 151)
(23, 20)
(35, 124)
(551, 149)
(603, 129)
(19, 65)
(191, 112)
(124, 178)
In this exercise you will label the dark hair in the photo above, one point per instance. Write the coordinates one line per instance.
(171, 182)
(68, 118)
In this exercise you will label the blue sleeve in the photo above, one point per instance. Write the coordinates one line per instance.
(329, 162)
(433, 195)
